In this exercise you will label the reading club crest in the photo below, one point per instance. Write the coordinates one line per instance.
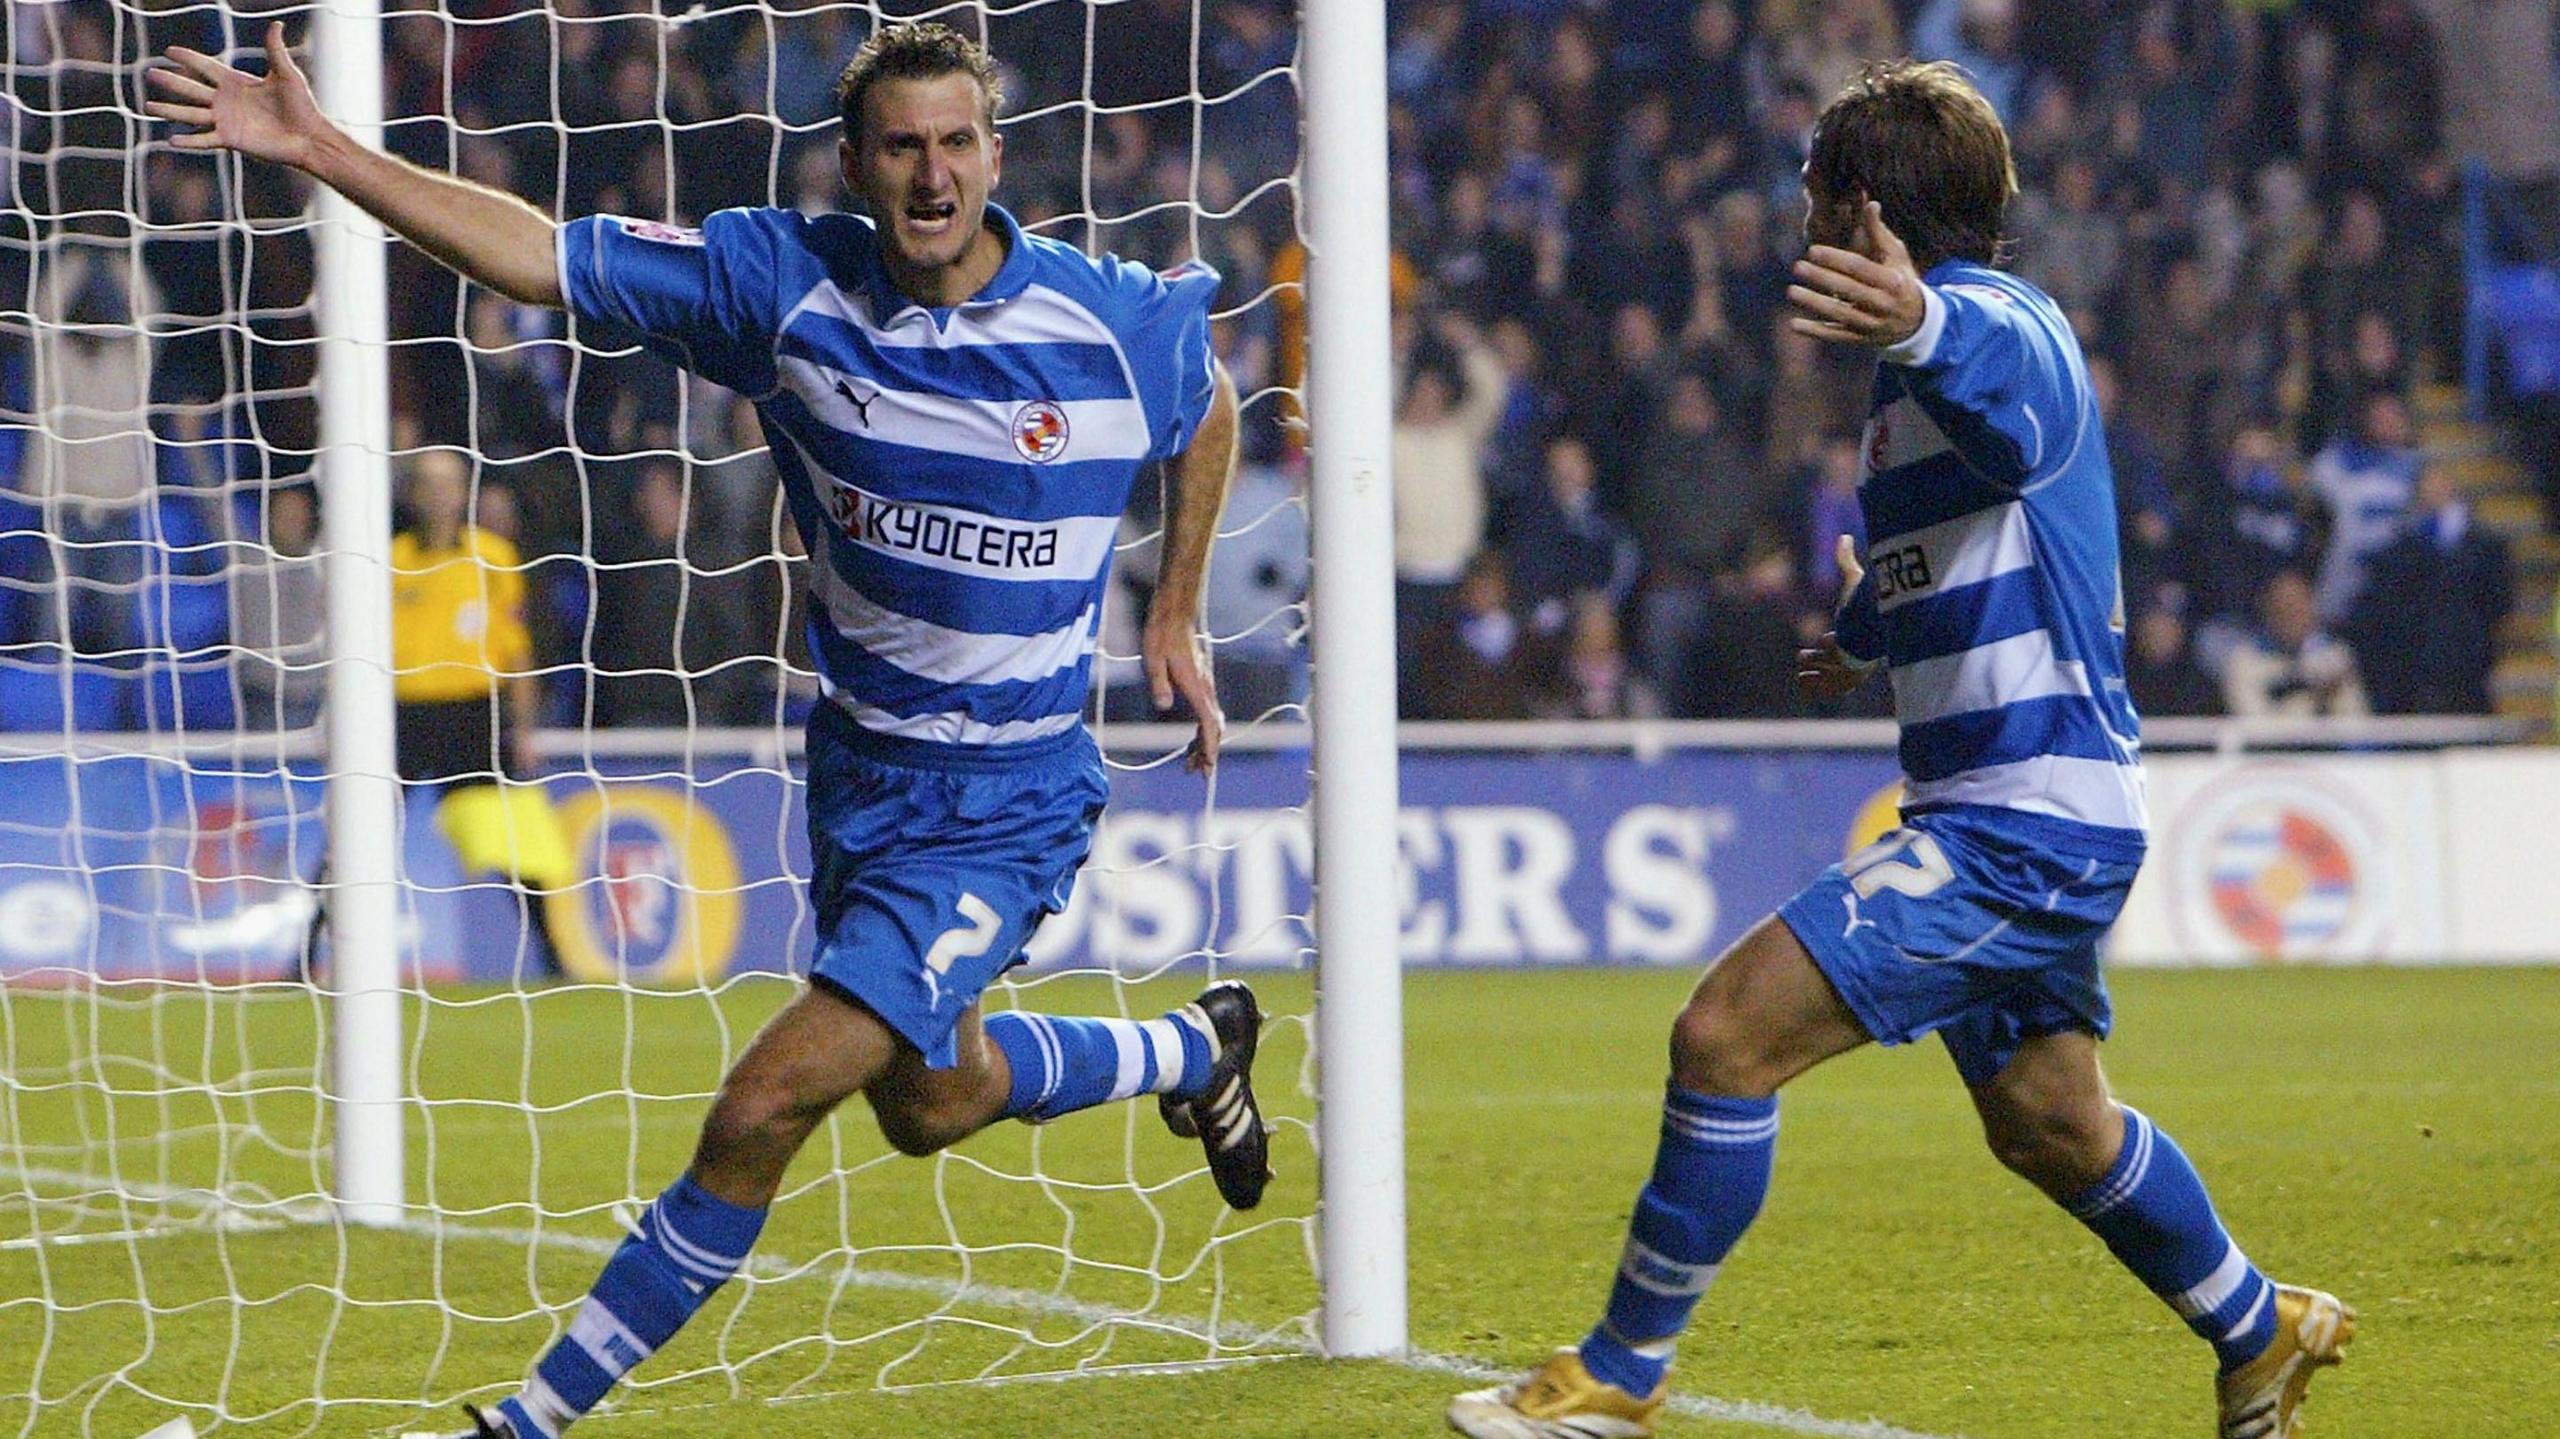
(1040, 432)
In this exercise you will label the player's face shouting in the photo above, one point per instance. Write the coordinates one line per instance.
(924, 163)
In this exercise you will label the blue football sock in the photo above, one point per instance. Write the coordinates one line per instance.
(1061, 1065)
(2152, 1211)
(1709, 1176)
(689, 1243)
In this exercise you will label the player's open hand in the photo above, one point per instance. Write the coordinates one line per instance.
(1177, 663)
(270, 117)
(1824, 671)
(1868, 296)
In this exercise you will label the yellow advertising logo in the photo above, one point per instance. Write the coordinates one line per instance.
(1882, 812)
(657, 898)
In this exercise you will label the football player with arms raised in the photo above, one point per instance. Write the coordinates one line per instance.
(958, 410)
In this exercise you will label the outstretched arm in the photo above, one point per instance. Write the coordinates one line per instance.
(1175, 659)
(495, 239)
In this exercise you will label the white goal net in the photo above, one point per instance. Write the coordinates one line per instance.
(594, 920)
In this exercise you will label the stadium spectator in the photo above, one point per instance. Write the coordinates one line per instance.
(1814, 395)
(518, 377)
(1453, 396)
(2147, 512)
(1695, 497)
(91, 390)
(2502, 102)
(1257, 581)
(278, 609)
(2366, 479)
(2160, 672)
(2079, 248)
(2252, 213)
(647, 623)
(1831, 510)
(1824, 46)
(1481, 660)
(2292, 666)
(2264, 521)
(1754, 618)
(2351, 274)
(1982, 36)
(1562, 545)
(2181, 348)
(1595, 680)
(2427, 627)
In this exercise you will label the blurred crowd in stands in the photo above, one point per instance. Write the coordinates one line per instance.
(1619, 476)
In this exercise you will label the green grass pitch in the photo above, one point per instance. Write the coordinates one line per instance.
(2390, 1134)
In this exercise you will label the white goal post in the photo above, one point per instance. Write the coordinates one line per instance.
(1360, 1004)
(364, 785)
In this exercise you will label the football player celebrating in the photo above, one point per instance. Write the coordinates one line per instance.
(958, 410)
(1988, 596)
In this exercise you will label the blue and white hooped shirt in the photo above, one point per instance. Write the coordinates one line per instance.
(958, 473)
(1992, 590)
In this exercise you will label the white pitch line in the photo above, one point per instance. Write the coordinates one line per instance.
(1695, 1406)
(1030, 1301)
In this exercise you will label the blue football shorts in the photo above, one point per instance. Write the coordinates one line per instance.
(931, 866)
(1970, 924)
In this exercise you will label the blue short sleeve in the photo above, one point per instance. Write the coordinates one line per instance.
(705, 299)
(1163, 321)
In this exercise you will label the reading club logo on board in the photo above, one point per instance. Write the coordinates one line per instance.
(1040, 432)
(2276, 863)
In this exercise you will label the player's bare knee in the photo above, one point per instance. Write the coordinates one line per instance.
(911, 1131)
(1715, 1051)
(2062, 1148)
(918, 1124)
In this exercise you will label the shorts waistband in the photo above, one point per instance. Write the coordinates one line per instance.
(2082, 840)
(843, 729)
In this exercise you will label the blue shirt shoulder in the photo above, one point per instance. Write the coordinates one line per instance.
(716, 299)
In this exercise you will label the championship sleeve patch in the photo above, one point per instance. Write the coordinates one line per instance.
(659, 231)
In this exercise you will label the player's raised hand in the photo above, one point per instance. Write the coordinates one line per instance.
(1177, 663)
(1824, 671)
(1868, 296)
(270, 117)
